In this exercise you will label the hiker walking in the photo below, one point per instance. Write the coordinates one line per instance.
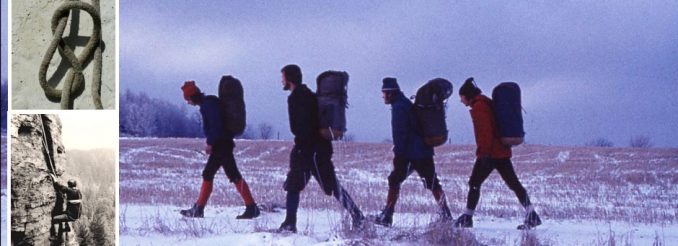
(311, 154)
(410, 154)
(491, 154)
(73, 207)
(219, 147)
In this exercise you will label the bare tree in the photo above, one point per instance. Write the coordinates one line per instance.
(640, 141)
(265, 131)
(599, 142)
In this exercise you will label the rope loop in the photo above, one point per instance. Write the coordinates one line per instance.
(75, 79)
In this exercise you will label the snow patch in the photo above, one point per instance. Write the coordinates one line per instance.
(563, 156)
(3, 210)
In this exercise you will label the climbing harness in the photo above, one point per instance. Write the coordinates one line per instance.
(74, 81)
(44, 146)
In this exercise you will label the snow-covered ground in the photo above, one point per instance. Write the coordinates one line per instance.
(3, 159)
(3, 200)
(586, 196)
(162, 225)
(3, 223)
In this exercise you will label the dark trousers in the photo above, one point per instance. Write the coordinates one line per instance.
(482, 169)
(315, 161)
(312, 161)
(58, 220)
(402, 168)
(222, 156)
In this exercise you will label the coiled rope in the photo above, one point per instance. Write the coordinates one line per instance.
(74, 81)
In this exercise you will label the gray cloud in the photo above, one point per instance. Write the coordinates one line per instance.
(588, 69)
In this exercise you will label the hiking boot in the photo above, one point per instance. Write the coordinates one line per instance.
(531, 221)
(385, 218)
(464, 221)
(251, 212)
(287, 227)
(194, 212)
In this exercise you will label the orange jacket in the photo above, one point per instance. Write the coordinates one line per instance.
(485, 129)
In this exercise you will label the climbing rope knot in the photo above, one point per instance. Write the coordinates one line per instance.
(74, 82)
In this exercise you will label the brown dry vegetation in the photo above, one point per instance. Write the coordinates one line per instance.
(620, 184)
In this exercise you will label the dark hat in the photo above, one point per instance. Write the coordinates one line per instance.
(390, 84)
(72, 183)
(469, 89)
(189, 88)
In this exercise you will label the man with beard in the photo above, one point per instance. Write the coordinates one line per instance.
(311, 154)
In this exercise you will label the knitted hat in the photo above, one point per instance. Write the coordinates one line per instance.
(390, 84)
(189, 88)
(469, 89)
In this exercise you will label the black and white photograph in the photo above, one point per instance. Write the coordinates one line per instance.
(63, 176)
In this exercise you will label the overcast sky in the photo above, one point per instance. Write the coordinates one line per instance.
(588, 69)
(4, 41)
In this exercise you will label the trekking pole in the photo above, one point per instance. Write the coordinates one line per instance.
(44, 146)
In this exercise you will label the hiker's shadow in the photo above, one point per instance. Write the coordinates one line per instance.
(72, 41)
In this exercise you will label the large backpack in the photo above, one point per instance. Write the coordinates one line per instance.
(232, 103)
(508, 113)
(429, 109)
(332, 96)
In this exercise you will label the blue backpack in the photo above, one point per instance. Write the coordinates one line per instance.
(508, 113)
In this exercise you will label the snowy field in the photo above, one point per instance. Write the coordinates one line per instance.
(586, 196)
(3, 161)
(3, 235)
(3, 191)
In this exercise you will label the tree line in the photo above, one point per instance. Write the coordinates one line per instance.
(145, 116)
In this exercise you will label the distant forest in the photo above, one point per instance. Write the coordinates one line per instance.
(144, 116)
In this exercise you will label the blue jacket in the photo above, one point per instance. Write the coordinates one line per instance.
(212, 124)
(407, 142)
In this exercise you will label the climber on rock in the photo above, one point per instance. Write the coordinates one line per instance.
(73, 204)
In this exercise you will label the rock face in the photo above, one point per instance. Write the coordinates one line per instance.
(33, 194)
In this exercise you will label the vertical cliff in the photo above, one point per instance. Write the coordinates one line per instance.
(33, 194)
